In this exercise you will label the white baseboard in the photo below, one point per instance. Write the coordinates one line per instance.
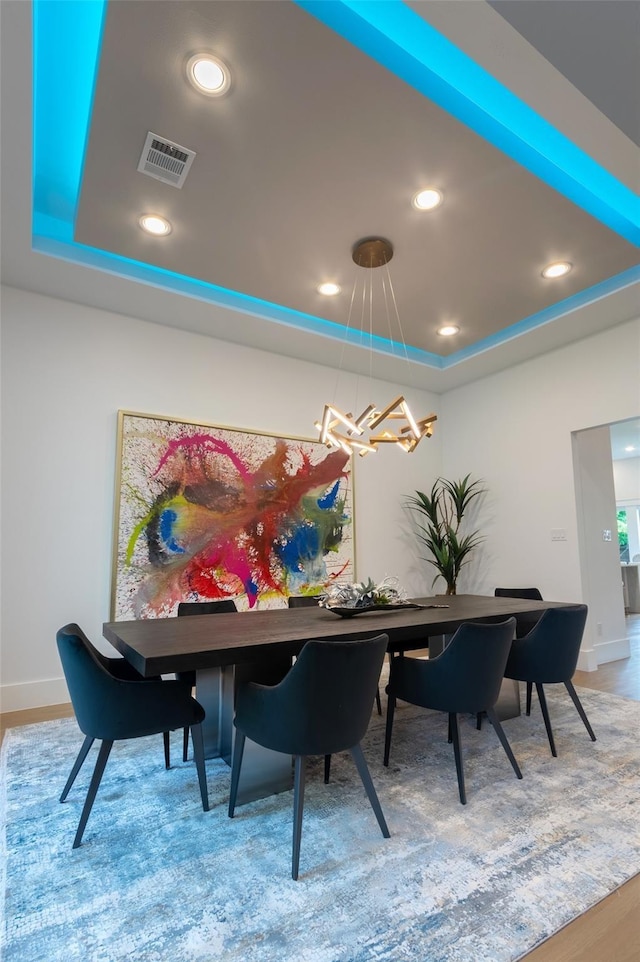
(34, 694)
(587, 660)
(602, 653)
(612, 650)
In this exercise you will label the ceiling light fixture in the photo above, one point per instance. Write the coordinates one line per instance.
(448, 330)
(154, 224)
(328, 289)
(427, 199)
(208, 74)
(630, 447)
(557, 269)
(349, 433)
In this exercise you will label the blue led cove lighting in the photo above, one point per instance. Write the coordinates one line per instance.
(67, 36)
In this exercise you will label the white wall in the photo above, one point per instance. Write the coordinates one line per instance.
(514, 430)
(66, 370)
(599, 558)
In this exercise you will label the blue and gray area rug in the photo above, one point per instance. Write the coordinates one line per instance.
(158, 880)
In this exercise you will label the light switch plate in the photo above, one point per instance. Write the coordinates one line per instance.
(558, 534)
(606, 534)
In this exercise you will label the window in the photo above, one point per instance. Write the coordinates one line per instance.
(623, 536)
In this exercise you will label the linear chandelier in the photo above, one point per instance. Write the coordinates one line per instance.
(375, 425)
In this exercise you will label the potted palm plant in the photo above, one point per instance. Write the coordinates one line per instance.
(440, 515)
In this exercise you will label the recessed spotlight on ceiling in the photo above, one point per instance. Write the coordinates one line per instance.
(154, 224)
(558, 269)
(329, 289)
(630, 447)
(208, 74)
(448, 330)
(427, 199)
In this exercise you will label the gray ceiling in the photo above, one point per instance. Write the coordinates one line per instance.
(318, 145)
(596, 45)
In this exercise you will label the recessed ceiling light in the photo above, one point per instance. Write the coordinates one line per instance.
(448, 330)
(559, 269)
(427, 199)
(154, 224)
(329, 289)
(630, 447)
(208, 74)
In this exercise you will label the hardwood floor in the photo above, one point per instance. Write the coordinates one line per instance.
(609, 932)
(14, 719)
(618, 677)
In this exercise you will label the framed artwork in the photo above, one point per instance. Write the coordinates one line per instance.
(206, 512)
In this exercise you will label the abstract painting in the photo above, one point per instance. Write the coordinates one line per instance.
(206, 513)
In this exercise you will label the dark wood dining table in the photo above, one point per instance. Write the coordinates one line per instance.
(227, 648)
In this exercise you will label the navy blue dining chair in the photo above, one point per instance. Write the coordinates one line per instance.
(524, 623)
(465, 678)
(112, 709)
(533, 594)
(322, 706)
(309, 601)
(303, 601)
(124, 670)
(548, 655)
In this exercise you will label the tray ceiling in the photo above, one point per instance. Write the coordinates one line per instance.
(336, 115)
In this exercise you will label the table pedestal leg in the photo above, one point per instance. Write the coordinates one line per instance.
(508, 703)
(437, 644)
(208, 693)
(263, 772)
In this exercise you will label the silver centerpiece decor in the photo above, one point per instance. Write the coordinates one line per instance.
(364, 594)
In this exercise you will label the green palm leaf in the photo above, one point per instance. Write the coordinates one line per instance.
(438, 516)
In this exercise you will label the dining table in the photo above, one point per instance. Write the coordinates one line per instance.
(227, 648)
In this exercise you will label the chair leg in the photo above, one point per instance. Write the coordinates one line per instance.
(449, 730)
(185, 744)
(455, 733)
(581, 711)
(545, 714)
(167, 750)
(103, 755)
(238, 750)
(529, 691)
(493, 718)
(298, 806)
(479, 720)
(327, 768)
(378, 702)
(391, 707)
(363, 770)
(77, 765)
(198, 754)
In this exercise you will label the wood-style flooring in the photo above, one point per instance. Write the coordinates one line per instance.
(609, 932)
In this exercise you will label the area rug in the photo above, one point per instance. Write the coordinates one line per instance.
(158, 880)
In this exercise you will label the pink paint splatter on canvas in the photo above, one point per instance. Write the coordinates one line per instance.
(220, 528)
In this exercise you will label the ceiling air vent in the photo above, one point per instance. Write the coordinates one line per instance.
(165, 161)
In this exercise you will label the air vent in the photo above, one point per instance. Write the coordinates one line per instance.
(165, 161)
